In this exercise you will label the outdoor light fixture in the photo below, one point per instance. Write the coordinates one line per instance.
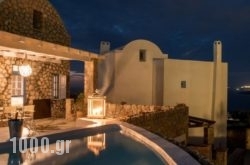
(96, 105)
(25, 69)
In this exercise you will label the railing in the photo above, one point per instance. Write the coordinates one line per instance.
(200, 122)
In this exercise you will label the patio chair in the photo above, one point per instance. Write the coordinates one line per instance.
(28, 112)
(9, 112)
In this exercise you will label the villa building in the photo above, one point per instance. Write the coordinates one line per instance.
(139, 73)
(33, 37)
(35, 56)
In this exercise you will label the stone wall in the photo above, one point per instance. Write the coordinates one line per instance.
(58, 108)
(126, 110)
(38, 85)
(167, 122)
(16, 16)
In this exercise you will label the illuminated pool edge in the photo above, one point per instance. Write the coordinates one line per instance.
(158, 150)
(170, 153)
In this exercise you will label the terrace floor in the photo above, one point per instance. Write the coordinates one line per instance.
(50, 126)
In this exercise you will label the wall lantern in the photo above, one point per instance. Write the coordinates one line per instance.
(96, 105)
(96, 143)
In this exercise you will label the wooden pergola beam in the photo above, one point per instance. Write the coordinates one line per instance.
(19, 44)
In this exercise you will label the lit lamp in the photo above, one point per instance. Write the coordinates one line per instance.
(25, 69)
(96, 105)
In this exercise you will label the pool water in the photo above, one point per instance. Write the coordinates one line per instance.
(119, 150)
(96, 146)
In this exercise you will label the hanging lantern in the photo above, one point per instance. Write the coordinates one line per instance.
(25, 70)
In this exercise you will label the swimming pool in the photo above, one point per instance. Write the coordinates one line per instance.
(117, 149)
(106, 144)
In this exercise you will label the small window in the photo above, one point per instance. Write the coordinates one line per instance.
(142, 55)
(183, 84)
(55, 86)
(17, 85)
(17, 82)
(37, 20)
(59, 86)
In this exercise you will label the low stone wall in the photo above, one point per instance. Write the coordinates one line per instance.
(168, 123)
(58, 108)
(126, 110)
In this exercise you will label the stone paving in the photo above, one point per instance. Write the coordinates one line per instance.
(45, 126)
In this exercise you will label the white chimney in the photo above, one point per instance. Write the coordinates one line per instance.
(104, 47)
(217, 51)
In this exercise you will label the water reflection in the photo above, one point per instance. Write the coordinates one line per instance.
(96, 143)
(29, 156)
(97, 149)
(15, 158)
(18, 158)
(79, 147)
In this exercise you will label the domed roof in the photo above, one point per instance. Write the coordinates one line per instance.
(33, 18)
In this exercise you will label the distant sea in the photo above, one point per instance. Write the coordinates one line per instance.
(75, 91)
(238, 101)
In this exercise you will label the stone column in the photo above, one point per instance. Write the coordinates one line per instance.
(68, 107)
(89, 79)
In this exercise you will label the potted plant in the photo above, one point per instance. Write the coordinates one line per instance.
(79, 105)
(15, 126)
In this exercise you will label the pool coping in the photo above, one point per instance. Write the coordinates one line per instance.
(171, 153)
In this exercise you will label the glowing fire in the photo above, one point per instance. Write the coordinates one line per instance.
(97, 111)
(96, 106)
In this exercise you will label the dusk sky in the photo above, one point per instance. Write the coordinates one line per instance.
(183, 29)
